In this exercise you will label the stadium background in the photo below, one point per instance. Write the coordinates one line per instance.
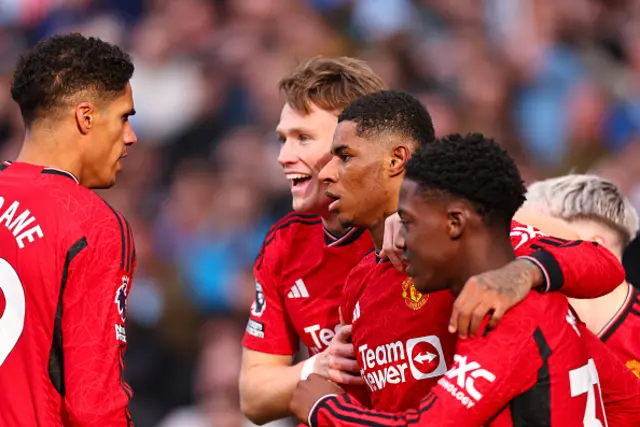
(557, 82)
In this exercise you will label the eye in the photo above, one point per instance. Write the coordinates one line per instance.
(344, 157)
(282, 139)
(304, 138)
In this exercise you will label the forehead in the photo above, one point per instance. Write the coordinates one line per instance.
(345, 135)
(125, 99)
(414, 201)
(317, 119)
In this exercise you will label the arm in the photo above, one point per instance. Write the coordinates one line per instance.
(267, 378)
(93, 334)
(474, 391)
(547, 224)
(579, 269)
(266, 384)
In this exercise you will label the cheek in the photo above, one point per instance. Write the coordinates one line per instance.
(316, 157)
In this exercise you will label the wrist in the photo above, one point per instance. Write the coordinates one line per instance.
(308, 367)
(313, 413)
(535, 271)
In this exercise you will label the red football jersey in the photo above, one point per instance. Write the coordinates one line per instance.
(402, 356)
(66, 265)
(536, 368)
(300, 273)
(622, 333)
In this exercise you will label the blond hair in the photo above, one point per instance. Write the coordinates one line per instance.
(329, 83)
(588, 197)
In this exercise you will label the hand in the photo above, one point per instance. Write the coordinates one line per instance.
(343, 367)
(308, 392)
(389, 250)
(337, 362)
(497, 291)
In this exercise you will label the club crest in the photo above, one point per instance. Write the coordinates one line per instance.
(412, 298)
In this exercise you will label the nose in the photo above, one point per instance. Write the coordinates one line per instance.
(287, 155)
(329, 173)
(130, 136)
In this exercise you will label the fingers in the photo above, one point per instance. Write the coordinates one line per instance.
(343, 364)
(342, 325)
(341, 377)
(454, 322)
(496, 317)
(479, 313)
(343, 334)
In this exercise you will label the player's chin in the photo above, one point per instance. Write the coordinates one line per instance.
(302, 204)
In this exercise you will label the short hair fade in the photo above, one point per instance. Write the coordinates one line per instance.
(329, 83)
(61, 66)
(390, 111)
(474, 168)
(584, 196)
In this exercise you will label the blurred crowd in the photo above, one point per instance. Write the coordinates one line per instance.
(556, 82)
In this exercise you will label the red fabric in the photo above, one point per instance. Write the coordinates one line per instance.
(299, 274)
(538, 366)
(65, 369)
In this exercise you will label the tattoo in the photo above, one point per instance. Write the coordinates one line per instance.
(514, 280)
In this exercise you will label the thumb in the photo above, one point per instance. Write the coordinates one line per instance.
(340, 315)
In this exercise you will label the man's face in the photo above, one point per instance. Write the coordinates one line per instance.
(110, 136)
(355, 178)
(306, 140)
(425, 238)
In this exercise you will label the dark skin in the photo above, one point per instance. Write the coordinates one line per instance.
(364, 177)
(460, 246)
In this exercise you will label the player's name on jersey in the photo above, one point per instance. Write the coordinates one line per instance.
(20, 222)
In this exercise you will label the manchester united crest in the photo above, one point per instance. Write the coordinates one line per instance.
(412, 298)
(634, 366)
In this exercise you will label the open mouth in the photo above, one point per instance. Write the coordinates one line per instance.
(334, 205)
(298, 178)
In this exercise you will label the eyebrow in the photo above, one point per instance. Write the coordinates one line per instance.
(339, 149)
(293, 130)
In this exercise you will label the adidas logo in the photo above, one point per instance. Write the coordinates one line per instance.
(356, 312)
(298, 290)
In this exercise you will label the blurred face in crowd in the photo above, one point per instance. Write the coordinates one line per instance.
(109, 133)
(359, 176)
(305, 143)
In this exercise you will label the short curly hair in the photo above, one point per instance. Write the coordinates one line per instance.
(472, 167)
(390, 111)
(59, 67)
(329, 83)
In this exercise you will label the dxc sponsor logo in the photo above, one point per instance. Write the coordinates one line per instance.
(392, 363)
(460, 380)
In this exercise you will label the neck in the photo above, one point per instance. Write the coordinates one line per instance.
(598, 312)
(377, 235)
(489, 252)
(43, 148)
(331, 223)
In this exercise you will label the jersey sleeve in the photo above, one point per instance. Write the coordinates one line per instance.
(269, 329)
(482, 381)
(620, 387)
(577, 268)
(93, 332)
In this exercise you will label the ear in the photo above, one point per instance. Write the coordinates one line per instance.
(457, 222)
(85, 113)
(400, 154)
(599, 239)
